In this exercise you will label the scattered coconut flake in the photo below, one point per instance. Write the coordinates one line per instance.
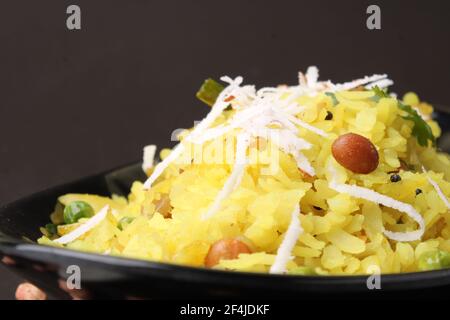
(149, 157)
(266, 90)
(371, 195)
(263, 111)
(85, 227)
(384, 83)
(302, 80)
(437, 188)
(257, 112)
(307, 126)
(215, 112)
(293, 109)
(289, 143)
(218, 106)
(275, 116)
(243, 97)
(309, 84)
(303, 163)
(240, 120)
(235, 177)
(367, 80)
(290, 239)
(160, 167)
(312, 75)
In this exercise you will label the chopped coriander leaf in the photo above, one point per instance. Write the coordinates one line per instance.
(421, 129)
(333, 98)
(209, 91)
(379, 93)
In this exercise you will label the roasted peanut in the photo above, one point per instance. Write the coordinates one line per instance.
(355, 153)
(225, 249)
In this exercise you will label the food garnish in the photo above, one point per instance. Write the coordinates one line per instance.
(77, 210)
(421, 130)
(355, 152)
(209, 91)
(225, 249)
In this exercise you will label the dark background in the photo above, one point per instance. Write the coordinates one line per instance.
(74, 103)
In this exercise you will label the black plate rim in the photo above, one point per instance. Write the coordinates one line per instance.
(19, 246)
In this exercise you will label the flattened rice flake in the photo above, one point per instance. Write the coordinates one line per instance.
(349, 223)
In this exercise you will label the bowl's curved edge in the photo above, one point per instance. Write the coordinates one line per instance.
(147, 270)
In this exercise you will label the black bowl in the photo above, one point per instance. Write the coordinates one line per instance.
(111, 277)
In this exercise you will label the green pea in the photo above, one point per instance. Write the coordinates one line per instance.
(434, 260)
(124, 222)
(76, 210)
(445, 259)
(303, 271)
(51, 228)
